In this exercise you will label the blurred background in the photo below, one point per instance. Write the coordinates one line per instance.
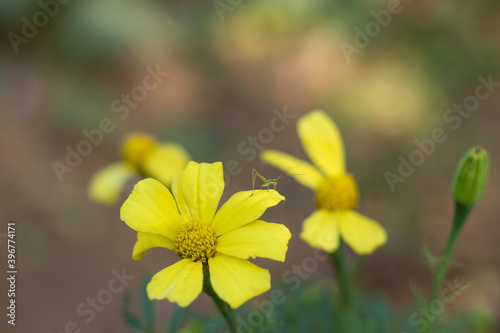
(229, 66)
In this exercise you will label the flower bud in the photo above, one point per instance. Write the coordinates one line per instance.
(470, 176)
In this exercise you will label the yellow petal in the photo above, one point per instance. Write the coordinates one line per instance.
(322, 142)
(237, 280)
(180, 283)
(165, 161)
(108, 183)
(320, 230)
(302, 171)
(256, 239)
(198, 189)
(362, 234)
(151, 208)
(243, 208)
(145, 241)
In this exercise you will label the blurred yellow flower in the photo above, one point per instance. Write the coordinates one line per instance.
(216, 244)
(142, 156)
(336, 191)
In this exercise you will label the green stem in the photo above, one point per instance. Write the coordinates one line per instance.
(461, 214)
(341, 269)
(223, 307)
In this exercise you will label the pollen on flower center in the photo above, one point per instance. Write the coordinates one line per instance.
(338, 192)
(195, 241)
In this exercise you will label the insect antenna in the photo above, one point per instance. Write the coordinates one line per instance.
(285, 174)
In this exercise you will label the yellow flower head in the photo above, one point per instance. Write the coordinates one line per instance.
(143, 157)
(336, 191)
(219, 242)
(136, 148)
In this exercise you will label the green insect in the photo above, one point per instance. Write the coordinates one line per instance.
(267, 182)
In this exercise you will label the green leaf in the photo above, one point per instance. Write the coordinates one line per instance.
(431, 260)
(194, 326)
(417, 294)
(457, 291)
(177, 317)
(129, 317)
(472, 321)
(358, 265)
(147, 305)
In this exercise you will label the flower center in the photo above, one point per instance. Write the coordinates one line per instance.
(195, 241)
(136, 147)
(338, 192)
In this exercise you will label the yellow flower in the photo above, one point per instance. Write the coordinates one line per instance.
(219, 243)
(336, 191)
(142, 156)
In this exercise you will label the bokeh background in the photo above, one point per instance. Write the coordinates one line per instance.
(227, 72)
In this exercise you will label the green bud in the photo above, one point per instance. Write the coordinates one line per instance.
(470, 176)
